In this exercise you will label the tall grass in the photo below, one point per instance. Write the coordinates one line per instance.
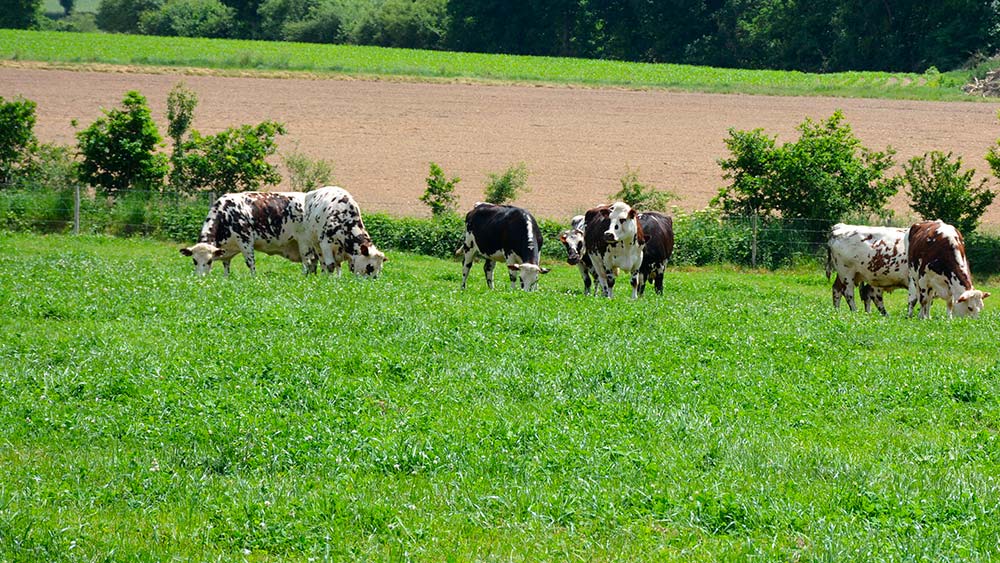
(280, 56)
(153, 415)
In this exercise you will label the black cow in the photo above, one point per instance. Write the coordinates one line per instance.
(503, 233)
(658, 230)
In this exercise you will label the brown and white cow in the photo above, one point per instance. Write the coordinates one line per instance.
(334, 232)
(244, 222)
(938, 268)
(503, 233)
(614, 241)
(658, 232)
(870, 258)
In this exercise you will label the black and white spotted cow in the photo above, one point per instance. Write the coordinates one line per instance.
(614, 241)
(243, 222)
(576, 251)
(334, 232)
(503, 233)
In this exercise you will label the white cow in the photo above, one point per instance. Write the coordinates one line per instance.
(333, 231)
(861, 255)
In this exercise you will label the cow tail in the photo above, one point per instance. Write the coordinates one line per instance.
(829, 262)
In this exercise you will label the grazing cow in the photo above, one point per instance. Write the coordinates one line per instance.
(503, 233)
(938, 268)
(576, 253)
(614, 241)
(244, 222)
(333, 231)
(870, 258)
(658, 231)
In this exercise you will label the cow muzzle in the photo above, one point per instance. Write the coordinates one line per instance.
(609, 236)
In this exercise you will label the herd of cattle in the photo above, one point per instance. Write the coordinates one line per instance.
(325, 225)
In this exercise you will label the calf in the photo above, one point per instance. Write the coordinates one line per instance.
(576, 253)
(503, 233)
(614, 241)
(333, 231)
(870, 258)
(658, 230)
(244, 222)
(938, 268)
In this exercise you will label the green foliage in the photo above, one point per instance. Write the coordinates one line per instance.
(67, 6)
(440, 193)
(20, 14)
(17, 136)
(122, 16)
(118, 150)
(181, 102)
(415, 24)
(642, 196)
(188, 18)
(824, 176)
(307, 173)
(234, 160)
(506, 186)
(939, 189)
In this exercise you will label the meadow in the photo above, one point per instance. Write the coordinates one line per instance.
(151, 415)
(265, 56)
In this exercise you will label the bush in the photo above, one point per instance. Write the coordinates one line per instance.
(433, 237)
(505, 187)
(412, 24)
(940, 190)
(440, 193)
(234, 160)
(189, 18)
(122, 16)
(17, 136)
(324, 23)
(641, 196)
(307, 174)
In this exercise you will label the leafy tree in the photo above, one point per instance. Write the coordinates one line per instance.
(234, 160)
(118, 149)
(181, 102)
(326, 22)
(440, 193)
(122, 16)
(642, 196)
(307, 174)
(824, 176)
(17, 136)
(939, 189)
(506, 186)
(188, 18)
(411, 24)
(20, 14)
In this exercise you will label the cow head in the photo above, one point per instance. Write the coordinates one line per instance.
(203, 255)
(624, 225)
(573, 241)
(970, 303)
(368, 262)
(528, 274)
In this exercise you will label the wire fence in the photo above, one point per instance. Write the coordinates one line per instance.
(702, 237)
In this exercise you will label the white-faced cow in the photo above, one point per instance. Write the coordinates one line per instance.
(503, 233)
(938, 268)
(576, 251)
(658, 232)
(614, 241)
(870, 258)
(244, 222)
(333, 230)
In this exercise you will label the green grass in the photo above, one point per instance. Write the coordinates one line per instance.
(150, 415)
(59, 47)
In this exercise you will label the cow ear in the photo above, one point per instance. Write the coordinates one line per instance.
(562, 237)
(513, 267)
(544, 270)
(218, 253)
(986, 294)
(186, 251)
(631, 213)
(606, 212)
(366, 249)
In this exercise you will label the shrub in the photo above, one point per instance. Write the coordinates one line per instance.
(122, 16)
(17, 136)
(440, 193)
(118, 149)
(324, 23)
(234, 160)
(940, 190)
(641, 196)
(189, 18)
(306, 173)
(412, 24)
(506, 186)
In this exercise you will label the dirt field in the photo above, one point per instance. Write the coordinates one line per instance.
(577, 142)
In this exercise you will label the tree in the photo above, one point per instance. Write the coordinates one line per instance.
(306, 173)
(67, 6)
(440, 193)
(20, 14)
(824, 176)
(17, 136)
(181, 102)
(122, 16)
(939, 189)
(234, 160)
(506, 186)
(189, 18)
(641, 196)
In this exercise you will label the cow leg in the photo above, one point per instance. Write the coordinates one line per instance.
(488, 268)
(879, 301)
(849, 294)
(911, 298)
(330, 263)
(309, 258)
(838, 291)
(658, 282)
(225, 266)
(513, 278)
(638, 285)
(248, 258)
(865, 291)
(585, 274)
(925, 303)
(610, 289)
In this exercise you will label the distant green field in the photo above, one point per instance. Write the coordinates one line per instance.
(278, 56)
(149, 415)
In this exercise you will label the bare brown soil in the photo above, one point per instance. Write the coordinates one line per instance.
(577, 142)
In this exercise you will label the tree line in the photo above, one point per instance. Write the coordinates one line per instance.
(805, 35)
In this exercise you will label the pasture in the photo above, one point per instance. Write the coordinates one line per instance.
(149, 414)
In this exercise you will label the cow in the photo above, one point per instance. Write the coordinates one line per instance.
(658, 231)
(938, 268)
(503, 233)
(870, 258)
(613, 238)
(576, 253)
(333, 231)
(244, 222)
